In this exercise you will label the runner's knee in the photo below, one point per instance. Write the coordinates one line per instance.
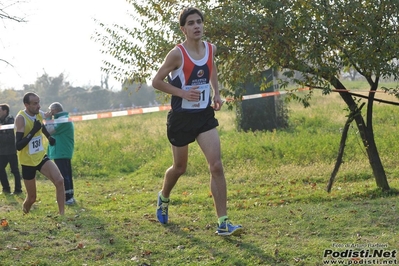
(59, 181)
(216, 167)
(179, 169)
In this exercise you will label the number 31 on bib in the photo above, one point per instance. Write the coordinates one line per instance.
(203, 102)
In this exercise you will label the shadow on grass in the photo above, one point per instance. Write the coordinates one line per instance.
(81, 235)
(373, 194)
(320, 197)
(223, 249)
(356, 177)
(12, 201)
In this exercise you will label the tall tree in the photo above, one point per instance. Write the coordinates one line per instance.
(317, 38)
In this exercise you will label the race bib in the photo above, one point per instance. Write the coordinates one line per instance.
(36, 145)
(203, 102)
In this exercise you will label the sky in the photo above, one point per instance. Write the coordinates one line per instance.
(56, 39)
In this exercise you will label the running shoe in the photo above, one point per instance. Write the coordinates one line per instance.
(162, 210)
(227, 228)
(71, 201)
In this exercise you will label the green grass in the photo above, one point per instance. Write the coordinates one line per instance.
(276, 190)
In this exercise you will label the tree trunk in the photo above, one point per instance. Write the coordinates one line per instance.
(367, 135)
(374, 157)
(340, 154)
(376, 164)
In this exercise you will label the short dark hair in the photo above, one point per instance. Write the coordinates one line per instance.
(189, 11)
(27, 97)
(5, 107)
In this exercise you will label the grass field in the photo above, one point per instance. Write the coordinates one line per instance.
(276, 190)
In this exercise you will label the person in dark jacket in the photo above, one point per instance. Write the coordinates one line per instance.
(8, 151)
(62, 130)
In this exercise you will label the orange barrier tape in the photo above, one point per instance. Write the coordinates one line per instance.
(111, 114)
(265, 94)
(134, 111)
(141, 110)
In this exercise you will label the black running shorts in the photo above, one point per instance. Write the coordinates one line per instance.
(183, 128)
(29, 172)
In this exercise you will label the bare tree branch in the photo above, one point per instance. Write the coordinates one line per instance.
(5, 15)
(5, 61)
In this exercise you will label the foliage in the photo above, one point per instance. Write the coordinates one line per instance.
(276, 190)
(317, 38)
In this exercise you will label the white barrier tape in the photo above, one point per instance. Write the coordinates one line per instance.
(274, 93)
(262, 95)
(100, 115)
(110, 114)
(149, 109)
(3, 127)
(139, 110)
(265, 94)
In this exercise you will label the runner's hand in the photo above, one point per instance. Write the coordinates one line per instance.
(51, 141)
(217, 103)
(36, 127)
(193, 95)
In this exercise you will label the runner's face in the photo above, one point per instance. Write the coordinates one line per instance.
(193, 27)
(33, 106)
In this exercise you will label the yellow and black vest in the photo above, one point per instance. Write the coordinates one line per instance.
(33, 153)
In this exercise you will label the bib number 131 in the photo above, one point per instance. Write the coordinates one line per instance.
(36, 145)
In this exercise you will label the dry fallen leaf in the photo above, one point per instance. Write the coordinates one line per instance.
(4, 222)
(146, 253)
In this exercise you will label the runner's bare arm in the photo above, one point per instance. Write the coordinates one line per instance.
(20, 124)
(214, 83)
